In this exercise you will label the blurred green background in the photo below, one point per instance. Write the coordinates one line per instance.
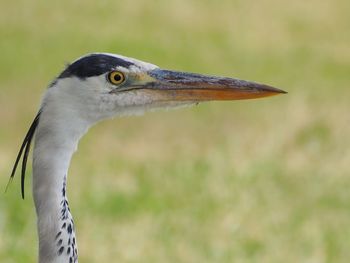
(249, 181)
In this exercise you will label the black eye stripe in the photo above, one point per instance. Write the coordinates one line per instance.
(94, 65)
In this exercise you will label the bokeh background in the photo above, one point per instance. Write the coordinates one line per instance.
(249, 181)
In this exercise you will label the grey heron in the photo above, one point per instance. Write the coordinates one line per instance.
(94, 87)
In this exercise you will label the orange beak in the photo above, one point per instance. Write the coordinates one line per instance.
(181, 86)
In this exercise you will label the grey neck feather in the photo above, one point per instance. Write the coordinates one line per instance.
(56, 140)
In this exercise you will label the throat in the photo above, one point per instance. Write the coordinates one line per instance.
(54, 146)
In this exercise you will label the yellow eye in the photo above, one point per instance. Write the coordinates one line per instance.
(116, 77)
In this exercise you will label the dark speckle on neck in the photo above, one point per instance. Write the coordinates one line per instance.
(66, 235)
(60, 251)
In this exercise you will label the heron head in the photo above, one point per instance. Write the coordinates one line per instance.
(102, 85)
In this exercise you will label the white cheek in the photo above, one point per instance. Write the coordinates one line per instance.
(138, 102)
(128, 103)
(133, 98)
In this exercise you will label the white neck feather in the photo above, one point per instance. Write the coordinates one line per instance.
(56, 140)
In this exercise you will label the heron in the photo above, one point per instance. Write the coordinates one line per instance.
(95, 87)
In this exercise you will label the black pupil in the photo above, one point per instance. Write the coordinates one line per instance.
(117, 77)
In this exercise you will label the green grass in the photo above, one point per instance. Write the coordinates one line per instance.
(249, 181)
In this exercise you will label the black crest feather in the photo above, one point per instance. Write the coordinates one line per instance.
(26, 148)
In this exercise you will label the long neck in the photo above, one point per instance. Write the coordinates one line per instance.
(55, 142)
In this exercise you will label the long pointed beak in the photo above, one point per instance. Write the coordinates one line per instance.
(182, 86)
